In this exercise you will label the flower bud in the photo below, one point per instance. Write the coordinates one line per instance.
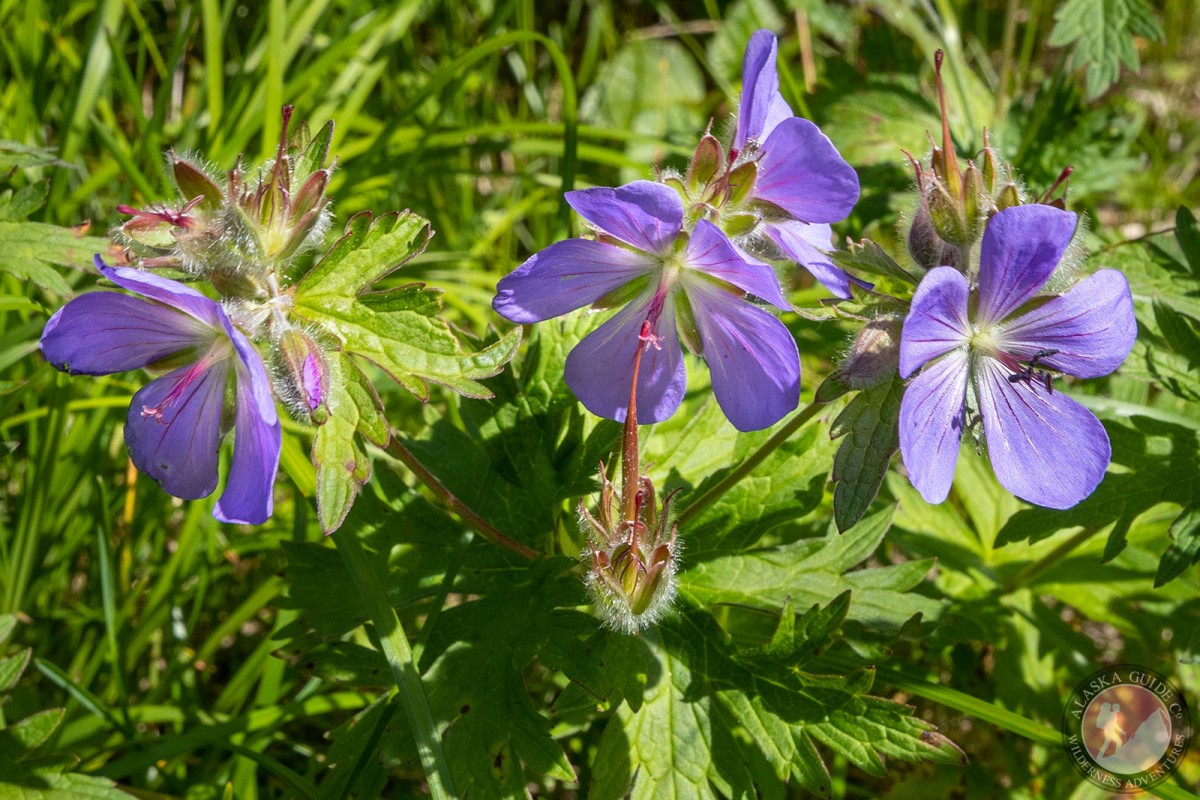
(633, 557)
(302, 368)
(705, 163)
(741, 182)
(875, 354)
(193, 182)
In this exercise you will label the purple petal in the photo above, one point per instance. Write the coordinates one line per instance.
(1092, 327)
(1044, 447)
(643, 214)
(802, 172)
(709, 251)
(105, 332)
(937, 322)
(804, 243)
(763, 107)
(248, 493)
(931, 425)
(600, 368)
(753, 358)
(173, 430)
(566, 276)
(164, 290)
(1021, 247)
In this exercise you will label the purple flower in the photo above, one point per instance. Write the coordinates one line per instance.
(174, 428)
(803, 183)
(694, 286)
(1044, 447)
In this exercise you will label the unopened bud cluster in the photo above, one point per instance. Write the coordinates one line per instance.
(243, 234)
(633, 556)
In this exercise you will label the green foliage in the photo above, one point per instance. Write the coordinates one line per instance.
(176, 657)
(33, 249)
(1103, 33)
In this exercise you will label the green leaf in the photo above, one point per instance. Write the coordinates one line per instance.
(493, 735)
(1159, 460)
(33, 251)
(369, 250)
(705, 698)
(871, 427)
(1184, 551)
(867, 256)
(815, 571)
(788, 484)
(14, 155)
(41, 785)
(1188, 236)
(8, 624)
(20, 737)
(353, 766)
(12, 667)
(1103, 33)
(338, 453)
(411, 345)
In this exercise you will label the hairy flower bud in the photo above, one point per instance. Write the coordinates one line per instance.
(706, 161)
(633, 556)
(304, 373)
(875, 354)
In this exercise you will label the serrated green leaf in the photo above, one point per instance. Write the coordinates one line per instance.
(8, 624)
(1102, 32)
(342, 462)
(1160, 467)
(12, 667)
(1184, 551)
(343, 662)
(684, 741)
(1178, 333)
(370, 249)
(43, 785)
(354, 770)
(412, 348)
(815, 571)
(21, 737)
(493, 735)
(871, 427)
(33, 250)
(789, 483)
(17, 204)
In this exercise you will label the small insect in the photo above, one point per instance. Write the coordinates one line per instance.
(1030, 371)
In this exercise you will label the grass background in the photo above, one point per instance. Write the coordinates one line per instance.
(150, 623)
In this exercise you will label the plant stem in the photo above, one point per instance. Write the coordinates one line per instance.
(404, 671)
(753, 460)
(478, 523)
(1032, 571)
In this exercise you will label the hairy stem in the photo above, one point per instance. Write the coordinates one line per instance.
(478, 523)
(404, 671)
(753, 460)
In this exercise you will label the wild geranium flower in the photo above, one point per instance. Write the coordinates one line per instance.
(983, 360)
(801, 183)
(693, 286)
(176, 422)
